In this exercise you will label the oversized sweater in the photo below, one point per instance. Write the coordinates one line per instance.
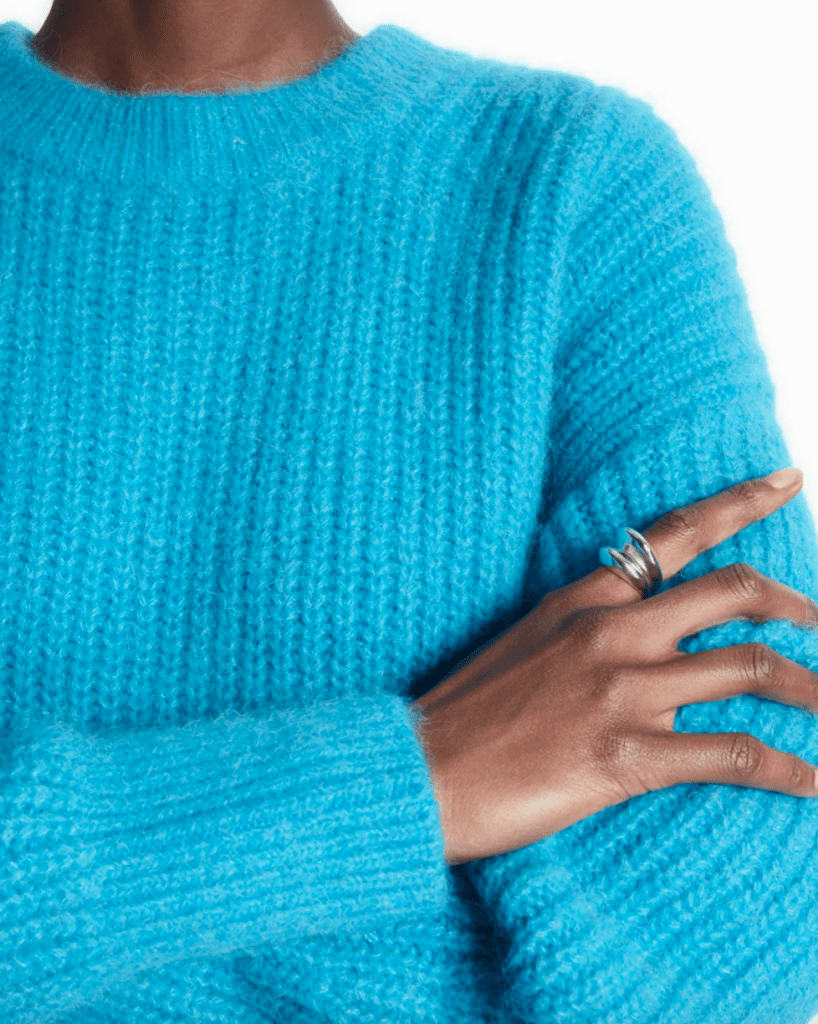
(308, 391)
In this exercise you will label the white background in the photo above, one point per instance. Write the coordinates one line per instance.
(736, 79)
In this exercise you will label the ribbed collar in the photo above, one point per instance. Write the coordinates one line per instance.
(71, 127)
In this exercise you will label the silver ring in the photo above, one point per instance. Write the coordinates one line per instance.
(637, 560)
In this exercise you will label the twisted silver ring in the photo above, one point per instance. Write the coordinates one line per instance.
(637, 560)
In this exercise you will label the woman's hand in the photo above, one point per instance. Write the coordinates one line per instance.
(573, 709)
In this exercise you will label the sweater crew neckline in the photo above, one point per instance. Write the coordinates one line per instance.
(89, 130)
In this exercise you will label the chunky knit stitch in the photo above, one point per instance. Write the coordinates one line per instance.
(309, 390)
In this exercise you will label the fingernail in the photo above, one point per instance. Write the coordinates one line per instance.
(784, 477)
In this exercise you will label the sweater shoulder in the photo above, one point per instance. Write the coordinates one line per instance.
(599, 130)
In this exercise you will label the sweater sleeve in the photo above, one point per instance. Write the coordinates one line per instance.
(696, 903)
(128, 850)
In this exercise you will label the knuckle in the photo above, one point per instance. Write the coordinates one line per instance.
(683, 523)
(745, 755)
(610, 685)
(592, 629)
(799, 774)
(748, 493)
(742, 581)
(614, 750)
(762, 665)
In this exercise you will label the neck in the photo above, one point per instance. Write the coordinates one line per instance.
(139, 46)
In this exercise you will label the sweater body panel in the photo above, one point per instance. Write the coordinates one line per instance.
(308, 393)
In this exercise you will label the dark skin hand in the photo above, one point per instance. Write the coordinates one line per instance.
(192, 46)
(573, 709)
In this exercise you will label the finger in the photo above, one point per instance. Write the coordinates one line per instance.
(729, 758)
(682, 534)
(725, 672)
(736, 591)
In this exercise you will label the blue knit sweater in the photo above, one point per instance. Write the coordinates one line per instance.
(308, 392)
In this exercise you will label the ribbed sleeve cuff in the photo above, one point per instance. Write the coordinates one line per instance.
(130, 850)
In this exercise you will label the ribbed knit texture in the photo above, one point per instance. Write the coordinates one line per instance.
(310, 390)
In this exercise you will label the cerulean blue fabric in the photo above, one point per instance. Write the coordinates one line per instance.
(308, 391)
